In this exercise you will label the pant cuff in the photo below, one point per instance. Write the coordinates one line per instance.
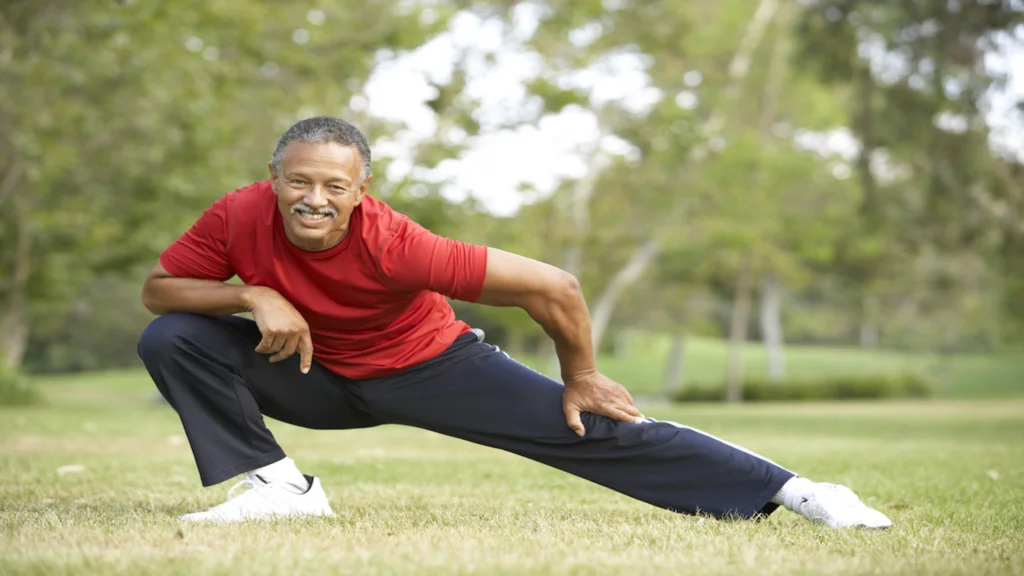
(763, 506)
(219, 476)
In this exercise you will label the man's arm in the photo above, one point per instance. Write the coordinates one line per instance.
(284, 330)
(417, 259)
(189, 278)
(553, 299)
(163, 294)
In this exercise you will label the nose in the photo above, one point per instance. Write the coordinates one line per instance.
(315, 196)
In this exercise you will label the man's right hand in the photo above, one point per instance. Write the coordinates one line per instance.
(284, 330)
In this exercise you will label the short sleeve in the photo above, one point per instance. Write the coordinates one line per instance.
(201, 252)
(416, 259)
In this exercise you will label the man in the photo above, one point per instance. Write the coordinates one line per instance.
(351, 329)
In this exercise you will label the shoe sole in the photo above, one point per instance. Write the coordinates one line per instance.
(318, 514)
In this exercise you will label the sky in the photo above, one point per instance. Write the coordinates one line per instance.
(499, 161)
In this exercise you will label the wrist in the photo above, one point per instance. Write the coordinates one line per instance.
(575, 356)
(250, 296)
(575, 371)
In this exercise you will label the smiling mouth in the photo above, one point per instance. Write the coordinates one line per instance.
(311, 214)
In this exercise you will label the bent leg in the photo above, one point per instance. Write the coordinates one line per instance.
(477, 393)
(208, 371)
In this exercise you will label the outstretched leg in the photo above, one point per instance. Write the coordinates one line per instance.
(477, 393)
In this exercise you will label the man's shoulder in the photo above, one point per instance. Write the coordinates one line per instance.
(379, 221)
(248, 204)
(255, 194)
(243, 211)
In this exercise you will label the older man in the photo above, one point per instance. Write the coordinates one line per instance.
(351, 329)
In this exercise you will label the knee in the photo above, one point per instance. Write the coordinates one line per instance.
(167, 333)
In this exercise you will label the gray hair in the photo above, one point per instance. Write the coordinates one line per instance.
(325, 129)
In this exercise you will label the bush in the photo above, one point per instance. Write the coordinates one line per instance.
(840, 387)
(15, 389)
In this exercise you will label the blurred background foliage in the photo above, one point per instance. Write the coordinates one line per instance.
(789, 175)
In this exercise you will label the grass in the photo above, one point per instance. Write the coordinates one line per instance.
(950, 474)
(642, 367)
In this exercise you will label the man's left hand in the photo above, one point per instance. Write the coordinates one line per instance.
(596, 393)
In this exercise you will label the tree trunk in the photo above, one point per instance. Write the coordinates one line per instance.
(582, 192)
(623, 279)
(621, 347)
(771, 326)
(740, 64)
(675, 365)
(864, 122)
(738, 333)
(771, 288)
(947, 354)
(739, 67)
(869, 322)
(14, 321)
(11, 180)
(13, 341)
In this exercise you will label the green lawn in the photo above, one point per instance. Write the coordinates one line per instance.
(949, 473)
(642, 367)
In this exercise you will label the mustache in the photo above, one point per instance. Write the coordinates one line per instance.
(302, 207)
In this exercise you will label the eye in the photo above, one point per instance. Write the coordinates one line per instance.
(297, 182)
(336, 188)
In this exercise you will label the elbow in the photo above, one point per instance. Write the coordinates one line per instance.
(571, 285)
(566, 289)
(558, 293)
(560, 303)
(151, 300)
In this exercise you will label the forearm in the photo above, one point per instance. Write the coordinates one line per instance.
(564, 316)
(189, 295)
(553, 299)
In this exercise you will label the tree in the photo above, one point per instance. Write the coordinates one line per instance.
(122, 120)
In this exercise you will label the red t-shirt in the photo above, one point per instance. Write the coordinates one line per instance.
(375, 302)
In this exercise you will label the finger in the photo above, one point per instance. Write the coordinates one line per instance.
(622, 415)
(633, 411)
(572, 418)
(620, 411)
(287, 349)
(306, 352)
(628, 408)
(266, 345)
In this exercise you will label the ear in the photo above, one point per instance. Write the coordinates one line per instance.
(362, 190)
(273, 176)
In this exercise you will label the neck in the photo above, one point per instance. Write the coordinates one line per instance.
(318, 245)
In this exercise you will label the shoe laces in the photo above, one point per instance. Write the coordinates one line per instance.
(257, 489)
(247, 482)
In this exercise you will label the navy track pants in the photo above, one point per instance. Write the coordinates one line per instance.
(221, 388)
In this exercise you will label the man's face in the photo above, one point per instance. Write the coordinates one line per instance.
(317, 189)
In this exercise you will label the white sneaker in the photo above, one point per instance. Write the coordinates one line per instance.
(839, 507)
(266, 500)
